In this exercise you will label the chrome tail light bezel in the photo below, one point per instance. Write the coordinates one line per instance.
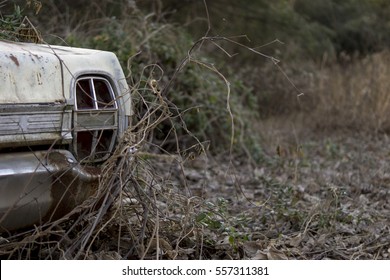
(95, 119)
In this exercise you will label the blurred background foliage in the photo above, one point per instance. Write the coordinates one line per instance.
(319, 44)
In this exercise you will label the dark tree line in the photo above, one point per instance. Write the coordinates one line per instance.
(314, 26)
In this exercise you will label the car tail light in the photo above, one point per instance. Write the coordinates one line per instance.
(95, 119)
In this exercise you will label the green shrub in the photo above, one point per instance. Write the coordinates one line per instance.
(9, 24)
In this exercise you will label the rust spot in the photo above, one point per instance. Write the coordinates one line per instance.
(14, 59)
(32, 55)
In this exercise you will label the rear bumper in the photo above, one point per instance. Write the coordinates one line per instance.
(38, 187)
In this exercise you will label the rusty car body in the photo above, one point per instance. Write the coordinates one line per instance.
(62, 111)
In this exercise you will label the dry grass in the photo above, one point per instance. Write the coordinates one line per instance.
(355, 95)
(351, 94)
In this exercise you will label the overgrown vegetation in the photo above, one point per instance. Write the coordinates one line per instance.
(224, 167)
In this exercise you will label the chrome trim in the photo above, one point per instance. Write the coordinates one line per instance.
(38, 187)
(34, 124)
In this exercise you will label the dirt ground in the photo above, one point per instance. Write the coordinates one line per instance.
(322, 197)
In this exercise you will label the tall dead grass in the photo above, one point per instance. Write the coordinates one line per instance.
(351, 95)
(354, 95)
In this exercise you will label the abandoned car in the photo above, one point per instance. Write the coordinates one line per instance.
(62, 111)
